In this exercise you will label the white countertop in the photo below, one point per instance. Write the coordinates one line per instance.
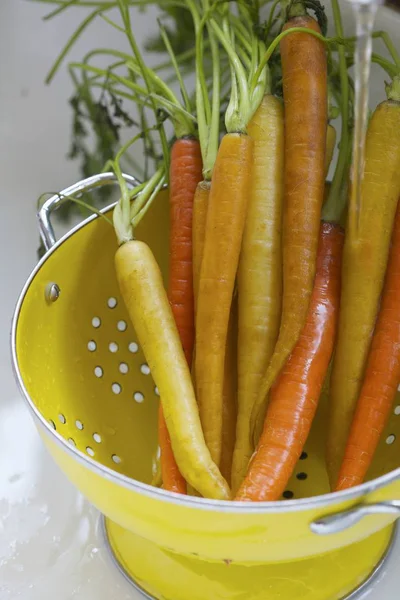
(51, 543)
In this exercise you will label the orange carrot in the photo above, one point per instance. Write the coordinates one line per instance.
(294, 397)
(185, 174)
(304, 68)
(172, 479)
(224, 230)
(381, 378)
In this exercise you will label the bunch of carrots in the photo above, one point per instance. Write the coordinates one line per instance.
(275, 278)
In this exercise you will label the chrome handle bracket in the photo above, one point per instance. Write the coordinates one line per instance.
(77, 189)
(341, 521)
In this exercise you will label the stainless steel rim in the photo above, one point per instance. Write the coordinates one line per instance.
(302, 504)
(377, 573)
(372, 578)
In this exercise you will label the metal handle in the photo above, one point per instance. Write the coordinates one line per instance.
(344, 520)
(79, 188)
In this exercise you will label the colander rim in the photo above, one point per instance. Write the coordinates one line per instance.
(300, 504)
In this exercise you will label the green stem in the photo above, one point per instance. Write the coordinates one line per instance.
(124, 10)
(389, 45)
(64, 4)
(134, 166)
(393, 90)
(105, 73)
(108, 52)
(203, 109)
(163, 89)
(110, 69)
(242, 34)
(122, 211)
(77, 201)
(112, 23)
(72, 40)
(332, 205)
(176, 112)
(148, 143)
(125, 198)
(127, 145)
(387, 66)
(270, 18)
(391, 69)
(387, 40)
(254, 57)
(200, 75)
(244, 15)
(239, 120)
(180, 116)
(244, 57)
(117, 92)
(175, 65)
(213, 129)
(60, 9)
(232, 113)
(145, 205)
(181, 58)
(145, 193)
(263, 85)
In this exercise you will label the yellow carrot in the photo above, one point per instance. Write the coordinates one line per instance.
(364, 264)
(224, 230)
(142, 289)
(260, 271)
(200, 207)
(229, 407)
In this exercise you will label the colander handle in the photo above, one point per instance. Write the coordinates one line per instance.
(344, 520)
(85, 185)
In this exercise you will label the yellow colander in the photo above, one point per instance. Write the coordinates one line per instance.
(86, 381)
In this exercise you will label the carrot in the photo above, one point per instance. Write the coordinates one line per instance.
(364, 264)
(382, 376)
(304, 68)
(200, 206)
(224, 231)
(172, 479)
(229, 406)
(294, 397)
(185, 173)
(142, 289)
(260, 271)
(227, 205)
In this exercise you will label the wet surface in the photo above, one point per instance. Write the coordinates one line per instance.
(51, 540)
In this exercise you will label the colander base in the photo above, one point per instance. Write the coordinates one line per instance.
(159, 574)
